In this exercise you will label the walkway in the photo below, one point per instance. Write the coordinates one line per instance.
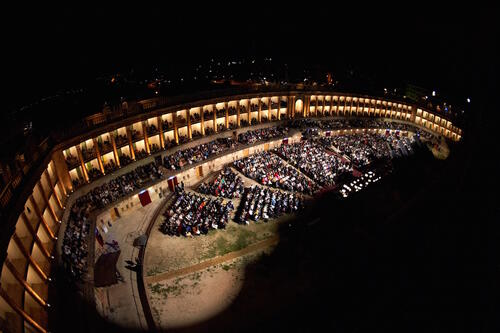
(122, 303)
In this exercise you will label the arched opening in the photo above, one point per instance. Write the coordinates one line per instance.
(299, 106)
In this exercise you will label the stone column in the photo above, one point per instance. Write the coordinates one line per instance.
(189, 130)
(238, 114)
(269, 103)
(227, 115)
(174, 122)
(146, 139)
(202, 123)
(278, 116)
(115, 150)
(51, 184)
(130, 145)
(98, 156)
(214, 108)
(62, 173)
(82, 164)
(47, 203)
(260, 110)
(160, 132)
(413, 113)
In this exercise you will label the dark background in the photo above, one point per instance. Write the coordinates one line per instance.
(450, 246)
(56, 48)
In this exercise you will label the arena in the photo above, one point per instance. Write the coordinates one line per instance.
(181, 199)
(256, 169)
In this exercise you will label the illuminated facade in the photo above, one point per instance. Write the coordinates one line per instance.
(35, 216)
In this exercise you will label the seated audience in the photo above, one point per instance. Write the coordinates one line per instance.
(192, 215)
(227, 184)
(269, 169)
(260, 202)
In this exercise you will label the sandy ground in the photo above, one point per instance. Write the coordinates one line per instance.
(194, 298)
(166, 253)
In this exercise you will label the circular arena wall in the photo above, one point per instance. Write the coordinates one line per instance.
(35, 222)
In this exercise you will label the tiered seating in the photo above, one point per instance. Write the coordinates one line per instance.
(192, 214)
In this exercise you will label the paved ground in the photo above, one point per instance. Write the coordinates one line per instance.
(122, 304)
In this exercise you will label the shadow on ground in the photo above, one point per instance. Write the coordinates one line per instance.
(399, 256)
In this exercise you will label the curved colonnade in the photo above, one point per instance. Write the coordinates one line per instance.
(75, 166)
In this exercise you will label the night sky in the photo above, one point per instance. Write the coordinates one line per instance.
(65, 47)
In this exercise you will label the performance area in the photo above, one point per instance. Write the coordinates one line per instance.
(185, 247)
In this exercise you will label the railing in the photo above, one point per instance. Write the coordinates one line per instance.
(12, 187)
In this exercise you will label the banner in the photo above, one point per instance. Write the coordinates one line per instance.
(144, 197)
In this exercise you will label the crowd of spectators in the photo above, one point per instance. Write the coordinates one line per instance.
(104, 146)
(110, 166)
(75, 248)
(77, 182)
(94, 173)
(75, 237)
(401, 146)
(192, 214)
(263, 134)
(154, 148)
(362, 149)
(269, 169)
(227, 184)
(196, 134)
(125, 160)
(120, 140)
(140, 154)
(198, 153)
(349, 123)
(259, 202)
(303, 123)
(88, 153)
(313, 160)
(72, 160)
(152, 129)
(136, 135)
